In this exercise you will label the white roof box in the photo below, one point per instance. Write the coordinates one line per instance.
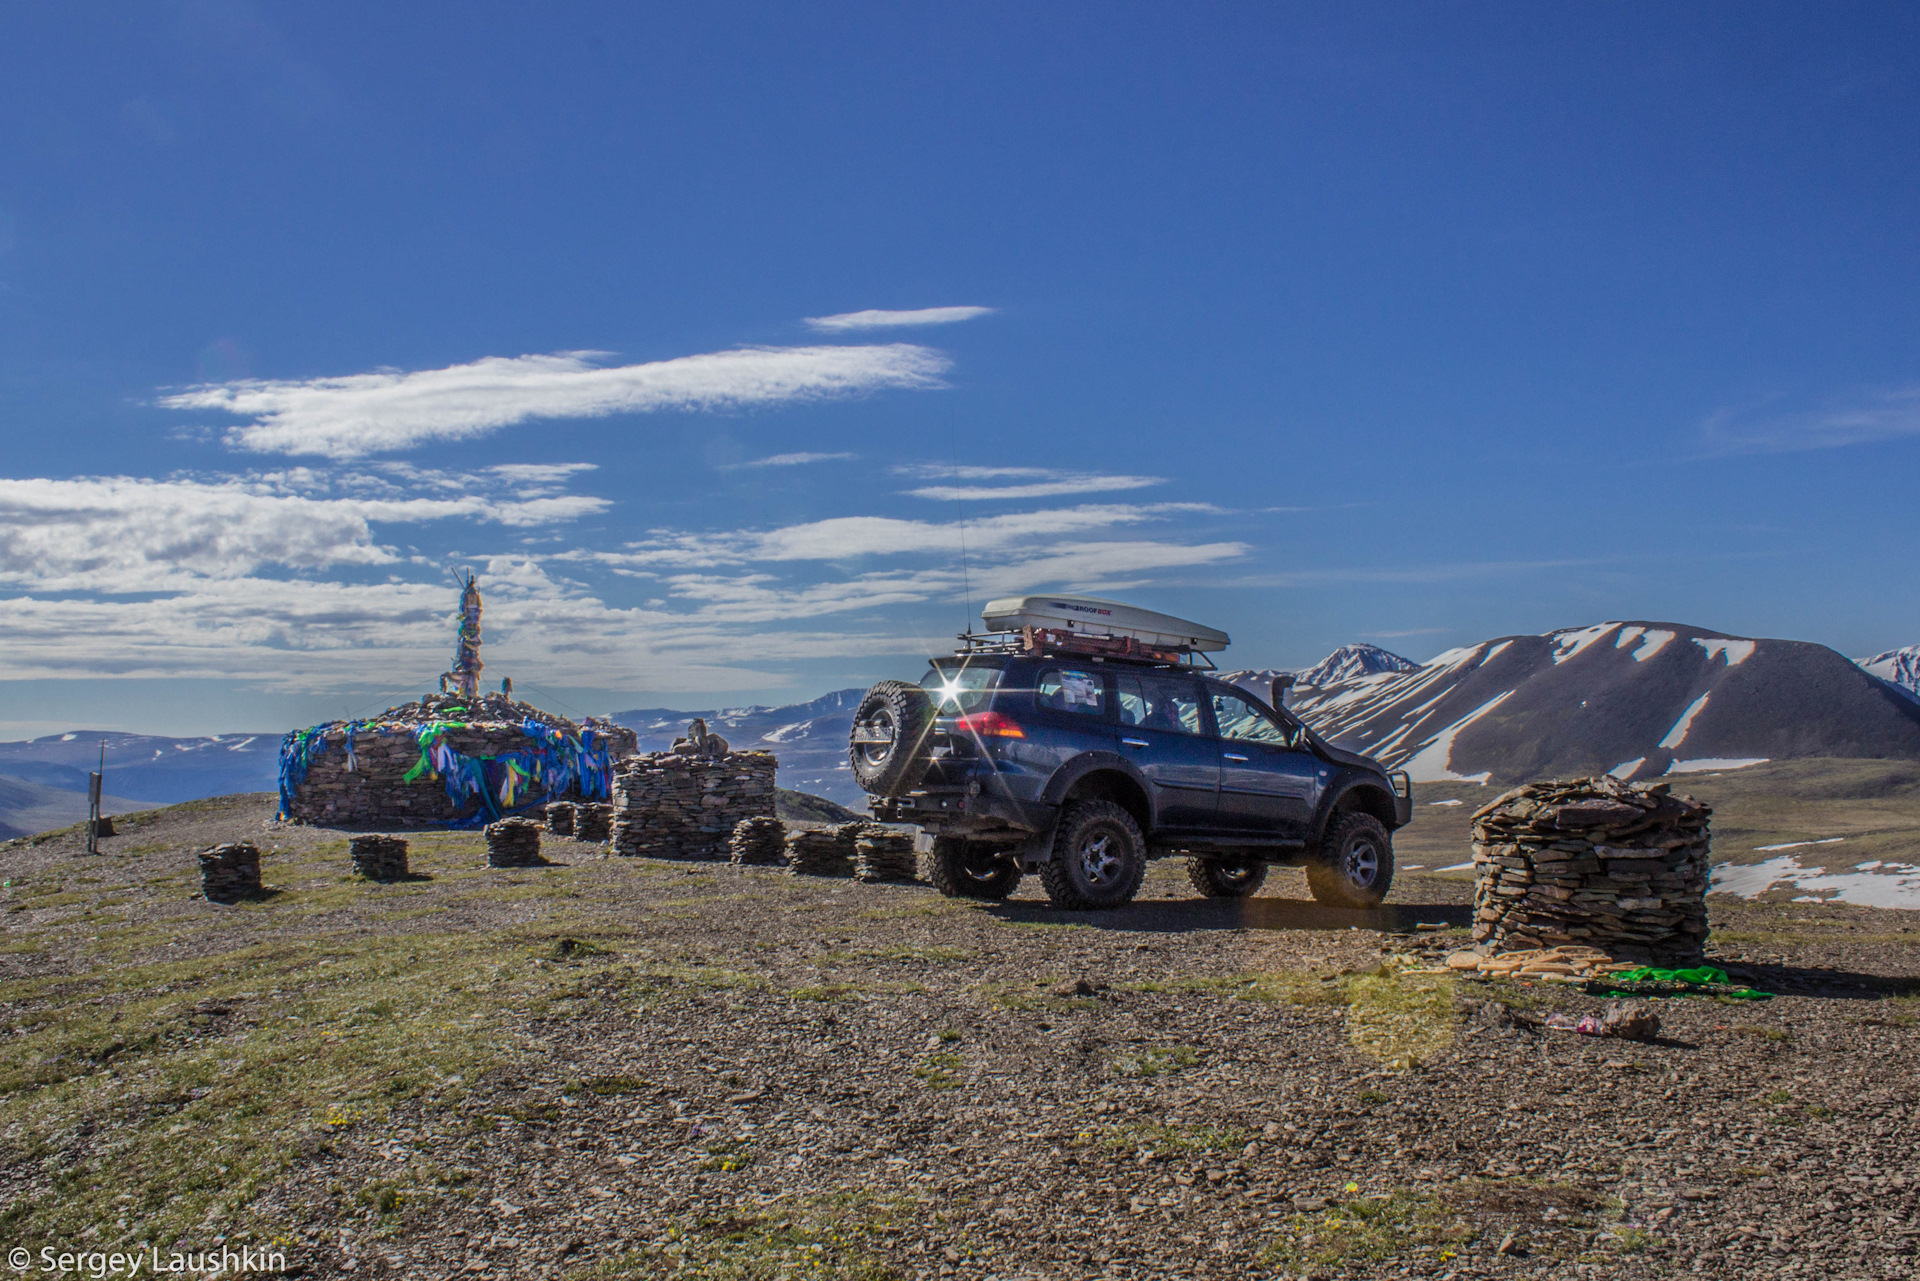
(1094, 617)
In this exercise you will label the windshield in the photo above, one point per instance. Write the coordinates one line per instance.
(959, 686)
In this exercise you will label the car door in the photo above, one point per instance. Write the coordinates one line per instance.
(1269, 782)
(1162, 732)
(1074, 705)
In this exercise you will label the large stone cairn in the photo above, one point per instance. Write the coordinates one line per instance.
(1593, 862)
(818, 851)
(230, 872)
(592, 823)
(758, 842)
(379, 858)
(883, 855)
(675, 805)
(560, 817)
(513, 842)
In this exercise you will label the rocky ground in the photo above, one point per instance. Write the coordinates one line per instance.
(612, 1067)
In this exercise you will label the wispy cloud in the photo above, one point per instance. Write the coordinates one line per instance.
(1773, 428)
(119, 534)
(787, 460)
(876, 319)
(1064, 483)
(359, 414)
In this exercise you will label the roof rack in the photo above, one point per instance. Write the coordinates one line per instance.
(1047, 641)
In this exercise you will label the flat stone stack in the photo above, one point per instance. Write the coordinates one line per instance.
(230, 872)
(759, 842)
(881, 855)
(1594, 862)
(379, 858)
(514, 842)
(670, 805)
(593, 823)
(560, 817)
(818, 851)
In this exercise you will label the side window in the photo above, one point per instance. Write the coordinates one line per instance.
(1063, 689)
(1160, 702)
(1239, 719)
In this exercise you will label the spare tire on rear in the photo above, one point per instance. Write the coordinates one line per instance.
(891, 740)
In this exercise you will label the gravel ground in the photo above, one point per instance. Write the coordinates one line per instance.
(613, 1067)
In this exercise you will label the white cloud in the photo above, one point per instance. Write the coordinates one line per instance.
(965, 471)
(1883, 415)
(876, 319)
(1065, 484)
(359, 414)
(788, 460)
(120, 534)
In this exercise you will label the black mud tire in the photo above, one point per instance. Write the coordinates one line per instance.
(1227, 877)
(963, 869)
(1355, 867)
(897, 718)
(1099, 858)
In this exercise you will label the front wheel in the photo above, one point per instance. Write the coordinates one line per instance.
(1099, 857)
(959, 869)
(1355, 868)
(1226, 877)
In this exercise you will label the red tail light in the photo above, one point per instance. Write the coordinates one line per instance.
(989, 725)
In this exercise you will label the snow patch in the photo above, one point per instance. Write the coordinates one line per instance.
(1794, 845)
(1704, 764)
(1653, 644)
(1431, 764)
(1678, 734)
(1455, 867)
(1887, 885)
(240, 746)
(1737, 651)
(785, 732)
(1455, 801)
(1625, 769)
(1571, 643)
(68, 738)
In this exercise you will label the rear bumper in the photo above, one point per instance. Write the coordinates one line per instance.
(953, 810)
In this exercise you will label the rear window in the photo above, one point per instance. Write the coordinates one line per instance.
(1065, 689)
(960, 687)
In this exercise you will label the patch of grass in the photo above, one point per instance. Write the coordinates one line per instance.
(1764, 1033)
(1367, 1231)
(1156, 1060)
(1291, 987)
(939, 1071)
(1016, 996)
(832, 1238)
(947, 1035)
(1368, 1098)
(1400, 1019)
(902, 953)
(728, 1155)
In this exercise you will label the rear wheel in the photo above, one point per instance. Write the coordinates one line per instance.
(1099, 857)
(1355, 868)
(1226, 877)
(959, 869)
(890, 743)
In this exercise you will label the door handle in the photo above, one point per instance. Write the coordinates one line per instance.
(1232, 756)
(1134, 742)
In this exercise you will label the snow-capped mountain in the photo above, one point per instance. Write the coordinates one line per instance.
(1351, 662)
(148, 767)
(1635, 699)
(1898, 667)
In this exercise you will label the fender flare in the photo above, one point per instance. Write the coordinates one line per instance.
(1098, 762)
(1344, 787)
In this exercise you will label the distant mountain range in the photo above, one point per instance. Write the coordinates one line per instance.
(1635, 699)
(1899, 668)
(809, 738)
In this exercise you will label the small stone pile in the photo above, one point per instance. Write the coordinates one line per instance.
(882, 855)
(759, 842)
(230, 872)
(560, 817)
(672, 805)
(592, 823)
(818, 851)
(379, 858)
(1555, 964)
(1596, 863)
(514, 842)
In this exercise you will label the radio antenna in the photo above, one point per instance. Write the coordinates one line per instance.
(966, 581)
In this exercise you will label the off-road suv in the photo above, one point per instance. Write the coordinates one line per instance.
(1083, 766)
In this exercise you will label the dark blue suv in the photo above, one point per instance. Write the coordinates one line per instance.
(1083, 767)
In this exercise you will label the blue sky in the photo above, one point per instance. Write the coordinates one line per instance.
(1415, 324)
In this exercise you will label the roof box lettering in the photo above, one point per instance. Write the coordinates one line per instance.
(1095, 617)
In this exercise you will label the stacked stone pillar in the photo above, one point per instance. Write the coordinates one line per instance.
(675, 805)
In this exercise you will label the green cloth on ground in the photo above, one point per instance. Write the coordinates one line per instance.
(1699, 980)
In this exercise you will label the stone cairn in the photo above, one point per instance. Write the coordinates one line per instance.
(379, 858)
(592, 823)
(560, 817)
(818, 851)
(675, 805)
(759, 842)
(1591, 868)
(883, 855)
(230, 872)
(514, 842)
